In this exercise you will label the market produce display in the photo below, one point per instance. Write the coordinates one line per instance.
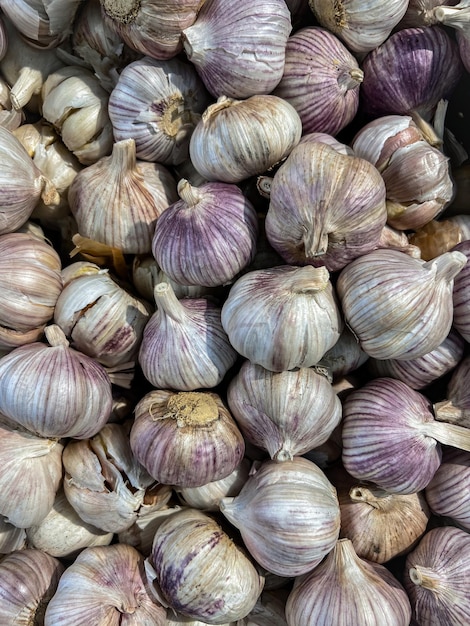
(234, 312)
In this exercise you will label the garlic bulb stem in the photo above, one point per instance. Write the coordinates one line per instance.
(448, 434)
(371, 495)
(425, 577)
(308, 279)
(350, 79)
(166, 300)
(55, 336)
(123, 156)
(447, 265)
(189, 194)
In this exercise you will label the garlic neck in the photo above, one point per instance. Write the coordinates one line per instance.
(374, 496)
(350, 79)
(447, 265)
(222, 103)
(123, 156)
(189, 194)
(55, 336)
(425, 577)
(308, 279)
(166, 301)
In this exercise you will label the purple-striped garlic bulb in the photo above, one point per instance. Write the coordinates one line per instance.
(460, 294)
(455, 408)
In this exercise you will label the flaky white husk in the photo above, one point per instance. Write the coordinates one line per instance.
(299, 506)
(28, 580)
(31, 475)
(199, 571)
(345, 589)
(436, 577)
(286, 413)
(258, 312)
(104, 482)
(104, 585)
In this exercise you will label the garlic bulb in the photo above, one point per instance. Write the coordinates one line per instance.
(399, 307)
(207, 236)
(331, 141)
(361, 25)
(186, 439)
(286, 413)
(194, 324)
(118, 199)
(258, 312)
(345, 356)
(28, 580)
(321, 80)
(158, 104)
(298, 504)
(31, 282)
(436, 577)
(54, 390)
(460, 298)
(10, 118)
(74, 102)
(62, 533)
(422, 12)
(104, 584)
(325, 208)
(345, 589)
(269, 609)
(11, 537)
(238, 48)
(30, 477)
(101, 318)
(196, 569)
(104, 482)
(236, 139)
(455, 408)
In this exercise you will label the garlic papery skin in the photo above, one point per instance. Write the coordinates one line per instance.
(239, 49)
(436, 577)
(104, 585)
(455, 408)
(286, 413)
(263, 129)
(380, 525)
(298, 504)
(460, 298)
(325, 208)
(53, 390)
(206, 237)
(151, 27)
(31, 474)
(420, 372)
(22, 184)
(185, 439)
(11, 537)
(104, 482)
(174, 618)
(184, 345)
(258, 312)
(421, 12)
(63, 534)
(362, 26)
(118, 199)
(30, 283)
(349, 590)
(321, 80)
(207, 497)
(269, 610)
(344, 357)
(447, 492)
(399, 307)
(74, 102)
(101, 318)
(10, 118)
(28, 580)
(331, 141)
(158, 104)
(196, 569)
(391, 438)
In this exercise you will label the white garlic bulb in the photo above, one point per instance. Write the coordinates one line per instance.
(11, 537)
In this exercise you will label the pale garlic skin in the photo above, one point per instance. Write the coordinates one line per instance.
(460, 299)
(238, 48)
(263, 130)
(345, 589)
(10, 118)
(344, 357)
(299, 505)
(455, 407)
(11, 537)
(104, 585)
(259, 325)
(28, 580)
(198, 570)
(286, 413)
(185, 439)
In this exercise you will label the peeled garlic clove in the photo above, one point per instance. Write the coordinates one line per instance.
(158, 104)
(263, 129)
(195, 324)
(196, 569)
(286, 413)
(186, 439)
(75, 398)
(259, 308)
(28, 580)
(118, 199)
(325, 208)
(206, 237)
(399, 307)
(30, 477)
(104, 585)
(238, 48)
(298, 504)
(436, 577)
(350, 589)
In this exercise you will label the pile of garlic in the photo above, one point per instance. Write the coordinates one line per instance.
(234, 314)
